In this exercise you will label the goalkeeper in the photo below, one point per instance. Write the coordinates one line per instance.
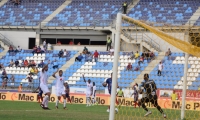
(148, 88)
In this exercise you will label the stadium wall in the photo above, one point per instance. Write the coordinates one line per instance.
(164, 45)
(80, 48)
(67, 36)
(19, 38)
(124, 46)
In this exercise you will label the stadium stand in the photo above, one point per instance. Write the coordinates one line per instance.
(87, 13)
(99, 71)
(20, 73)
(169, 12)
(95, 13)
(172, 75)
(28, 13)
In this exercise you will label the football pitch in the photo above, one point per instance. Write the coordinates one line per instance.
(10, 110)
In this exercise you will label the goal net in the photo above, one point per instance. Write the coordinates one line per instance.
(159, 37)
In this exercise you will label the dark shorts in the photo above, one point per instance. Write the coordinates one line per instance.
(151, 98)
(135, 98)
(40, 93)
(109, 92)
(67, 95)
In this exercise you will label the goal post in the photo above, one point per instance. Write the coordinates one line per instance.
(115, 66)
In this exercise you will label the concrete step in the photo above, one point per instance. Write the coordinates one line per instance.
(3, 2)
(194, 17)
(64, 67)
(57, 11)
(144, 44)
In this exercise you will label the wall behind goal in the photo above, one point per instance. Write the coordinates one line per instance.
(19, 38)
(163, 44)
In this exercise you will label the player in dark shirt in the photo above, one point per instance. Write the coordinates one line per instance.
(109, 84)
(67, 90)
(148, 87)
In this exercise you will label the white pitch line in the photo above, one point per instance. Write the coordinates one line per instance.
(22, 110)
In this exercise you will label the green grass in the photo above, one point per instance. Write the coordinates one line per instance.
(10, 110)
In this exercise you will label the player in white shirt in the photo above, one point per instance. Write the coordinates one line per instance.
(88, 91)
(94, 93)
(60, 91)
(44, 87)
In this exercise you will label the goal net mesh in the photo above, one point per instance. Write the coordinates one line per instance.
(184, 38)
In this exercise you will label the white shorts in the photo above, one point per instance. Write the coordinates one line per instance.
(60, 92)
(88, 94)
(44, 88)
(12, 84)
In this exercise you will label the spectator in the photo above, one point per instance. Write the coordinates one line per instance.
(89, 58)
(160, 68)
(141, 60)
(58, 43)
(20, 88)
(85, 50)
(129, 67)
(120, 93)
(30, 81)
(12, 79)
(10, 49)
(4, 79)
(125, 7)
(34, 50)
(21, 63)
(11, 63)
(17, 2)
(109, 42)
(38, 50)
(147, 55)
(42, 50)
(65, 53)
(60, 54)
(31, 63)
(168, 53)
(1, 66)
(32, 70)
(49, 62)
(16, 63)
(18, 49)
(49, 46)
(4, 72)
(71, 42)
(137, 68)
(112, 51)
(131, 55)
(96, 56)
(152, 56)
(174, 96)
(137, 55)
(79, 58)
(79, 43)
(41, 64)
(144, 54)
(26, 63)
(44, 44)
(55, 64)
